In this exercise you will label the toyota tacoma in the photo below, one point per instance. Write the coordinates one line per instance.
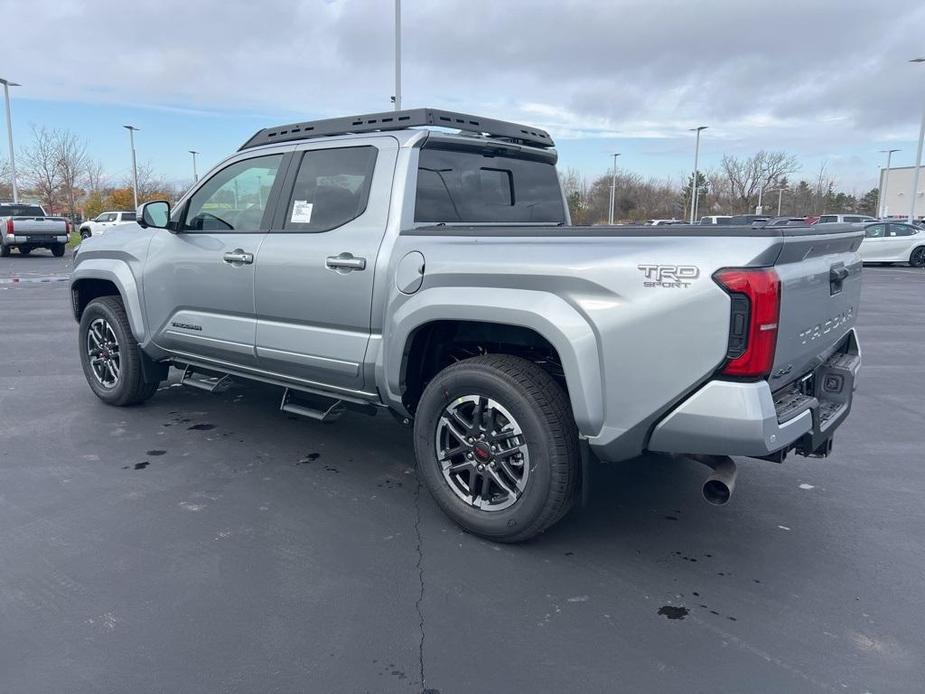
(423, 262)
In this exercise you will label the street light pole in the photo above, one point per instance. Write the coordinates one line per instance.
(195, 173)
(918, 158)
(9, 133)
(882, 203)
(131, 138)
(397, 97)
(613, 187)
(694, 199)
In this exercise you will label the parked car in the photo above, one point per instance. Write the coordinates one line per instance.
(104, 221)
(787, 222)
(893, 242)
(752, 219)
(370, 263)
(716, 219)
(662, 222)
(845, 219)
(27, 227)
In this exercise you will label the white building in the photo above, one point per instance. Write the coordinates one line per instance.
(898, 187)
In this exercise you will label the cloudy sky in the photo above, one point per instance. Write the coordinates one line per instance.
(825, 79)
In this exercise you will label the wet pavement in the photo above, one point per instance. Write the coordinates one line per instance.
(210, 543)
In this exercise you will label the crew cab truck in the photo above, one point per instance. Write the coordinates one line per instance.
(381, 262)
(27, 227)
(103, 222)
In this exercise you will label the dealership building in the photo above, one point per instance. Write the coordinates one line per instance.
(898, 188)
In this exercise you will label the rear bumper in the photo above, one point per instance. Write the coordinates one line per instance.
(33, 239)
(747, 419)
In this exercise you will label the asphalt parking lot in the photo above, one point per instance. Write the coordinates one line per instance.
(210, 543)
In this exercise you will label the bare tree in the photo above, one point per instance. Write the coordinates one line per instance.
(748, 176)
(6, 183)
(41, 169)
(93, 175)
(72, 162)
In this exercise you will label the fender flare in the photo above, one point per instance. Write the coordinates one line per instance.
(121, 276)
(550, 316)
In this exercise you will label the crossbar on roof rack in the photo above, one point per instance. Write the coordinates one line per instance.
(397, 120)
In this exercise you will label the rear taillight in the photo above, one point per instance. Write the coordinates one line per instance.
(9, 227)
(755, 308)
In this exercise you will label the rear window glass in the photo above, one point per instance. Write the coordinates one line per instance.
(21, 211)
(466, 185)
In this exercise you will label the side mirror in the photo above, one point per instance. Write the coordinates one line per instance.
(154, 214)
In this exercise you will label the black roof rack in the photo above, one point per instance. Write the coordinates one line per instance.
(397, 120)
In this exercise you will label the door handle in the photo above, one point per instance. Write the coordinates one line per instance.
(345, 262)
(238, 256)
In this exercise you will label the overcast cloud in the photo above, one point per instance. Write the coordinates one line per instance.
(814, 77)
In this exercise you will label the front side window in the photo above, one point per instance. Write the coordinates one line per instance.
(109, 217)
(875, 231)
(457, 184)
(331, 188)
(235, 198)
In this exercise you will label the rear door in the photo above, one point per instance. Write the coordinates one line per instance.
(314, 281)
(896, 242)
(199, 281)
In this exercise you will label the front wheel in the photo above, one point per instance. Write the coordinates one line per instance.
(497, 446)
(917, 259)
(109, 354)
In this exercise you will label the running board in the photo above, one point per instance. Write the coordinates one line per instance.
(318, 407)
(206, 381)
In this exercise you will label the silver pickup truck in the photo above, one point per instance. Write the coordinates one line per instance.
(27, 227)
(369, 262)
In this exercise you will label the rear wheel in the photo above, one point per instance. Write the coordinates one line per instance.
(497, 446)
(85, 234)
(4, 251)
(25, 250)
(109, 354)
(57, 250)
(917, 259)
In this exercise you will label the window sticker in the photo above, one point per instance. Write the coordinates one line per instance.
(301, 212)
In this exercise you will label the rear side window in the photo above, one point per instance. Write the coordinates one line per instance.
(331, 188)
(20, 211)
(901, 230)
(827, 218)
(128, 216)
(466, 185)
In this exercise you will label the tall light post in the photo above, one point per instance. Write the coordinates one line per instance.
(918, 158)
(397, 98)
(9, 133)
(694, 200)
(131, 138)
(780, 197)
(195, 172)
(613, 187)
(882, 202)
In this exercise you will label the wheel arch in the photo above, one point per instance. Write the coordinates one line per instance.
(510, 321)
(94, 278)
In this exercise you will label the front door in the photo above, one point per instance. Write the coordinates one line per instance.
(199, 281)
(314, 281)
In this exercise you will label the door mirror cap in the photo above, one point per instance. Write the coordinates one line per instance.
(154, 214)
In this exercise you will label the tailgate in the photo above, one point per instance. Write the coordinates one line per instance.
(820, 274)
(38, 226)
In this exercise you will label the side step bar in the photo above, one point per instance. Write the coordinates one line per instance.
(312, 406)
(204, 380)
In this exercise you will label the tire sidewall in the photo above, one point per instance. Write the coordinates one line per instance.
(123, 389)
(917, 257)
(482, 380)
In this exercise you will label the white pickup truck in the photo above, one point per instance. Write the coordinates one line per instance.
(104, 221)
(27, 227)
